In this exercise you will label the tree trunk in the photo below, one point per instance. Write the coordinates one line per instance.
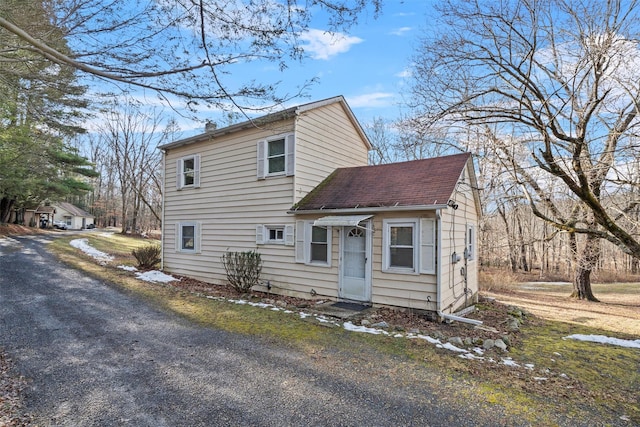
(5, 209)
(587, 261)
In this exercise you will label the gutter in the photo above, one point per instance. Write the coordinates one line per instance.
(357, 210)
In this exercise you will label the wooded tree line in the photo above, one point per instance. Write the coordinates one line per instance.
(545, 93)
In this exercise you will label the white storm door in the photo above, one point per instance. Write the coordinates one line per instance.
(355, 265)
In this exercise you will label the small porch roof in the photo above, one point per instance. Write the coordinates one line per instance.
(340, 220)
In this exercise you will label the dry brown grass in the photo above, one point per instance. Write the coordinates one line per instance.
(618, 310)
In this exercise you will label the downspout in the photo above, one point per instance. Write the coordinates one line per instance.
(438, 263)
(162, 225)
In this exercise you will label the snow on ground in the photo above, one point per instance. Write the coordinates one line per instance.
(602, 339)
(127, 268)
(155, 276)
(84, 246)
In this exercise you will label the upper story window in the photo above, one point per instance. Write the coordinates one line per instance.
(188, 172)
(276, 156)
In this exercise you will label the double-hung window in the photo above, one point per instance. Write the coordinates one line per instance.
(188, 172)
(400, 245)
(276, 156)
(313, 244)
(319, 245)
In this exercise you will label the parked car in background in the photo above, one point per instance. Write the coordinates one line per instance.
(60, 225)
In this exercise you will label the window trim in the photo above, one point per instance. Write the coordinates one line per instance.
(470, 236)
(303, 241)
(387, 224)
(289, 156)
(196, 237)
(180, 172)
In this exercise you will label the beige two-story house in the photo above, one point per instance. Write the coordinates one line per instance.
(295, 186)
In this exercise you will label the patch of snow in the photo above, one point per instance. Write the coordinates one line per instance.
(449, 346)
(509, 362)
(353, 328)
(84, 246)
(602, 339)
(478, 350)
(470, 356)
(540, 378)
(155, 276)
(429, 339)
(106, 234)
(127, 268)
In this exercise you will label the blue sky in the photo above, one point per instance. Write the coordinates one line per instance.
(368, 66)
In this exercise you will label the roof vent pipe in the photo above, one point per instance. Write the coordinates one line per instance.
(210, 126)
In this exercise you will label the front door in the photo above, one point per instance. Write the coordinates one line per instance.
(355, 265)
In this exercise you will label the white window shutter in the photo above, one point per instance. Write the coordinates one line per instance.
(196, 171)
(428, 246)
(259, 234)
(289, 235)
(178, 238)
(179, 174)
(329, 250)
(290, 151)
(300, 242)
(261, 159)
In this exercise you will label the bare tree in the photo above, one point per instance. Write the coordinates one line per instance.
(187, 48)
(558, 77)
(131, 137)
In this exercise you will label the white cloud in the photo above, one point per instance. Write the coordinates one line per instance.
(401, 31)
(325, 44)
(406, 73)
(375, 99)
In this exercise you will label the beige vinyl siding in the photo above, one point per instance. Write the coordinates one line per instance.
(454, 228)
(229, 204)
(231, 201)
(325, 140)
(404, 290)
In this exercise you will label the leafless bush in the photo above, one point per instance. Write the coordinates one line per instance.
(147, 256)
(243, 269)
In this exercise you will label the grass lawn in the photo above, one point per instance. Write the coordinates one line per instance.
(567, 375)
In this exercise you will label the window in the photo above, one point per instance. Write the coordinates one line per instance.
(470, 242)
(188, 237)
(399, 242)
(313, 244)
(188, 172)
(274, 234)
(276, 156)
(319, 244)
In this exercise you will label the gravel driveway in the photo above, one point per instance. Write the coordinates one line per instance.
(97, 356)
